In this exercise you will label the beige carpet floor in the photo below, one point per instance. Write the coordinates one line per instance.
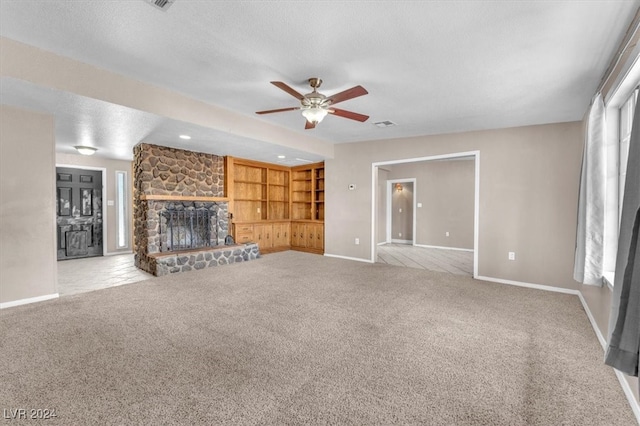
(296, 339)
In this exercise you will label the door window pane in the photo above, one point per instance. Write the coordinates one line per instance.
(122, 211)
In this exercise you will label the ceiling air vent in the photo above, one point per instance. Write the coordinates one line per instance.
(161, 4)
(385, 123)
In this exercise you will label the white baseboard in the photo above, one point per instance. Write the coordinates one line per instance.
(443, 247)
(357, 259)
(29, 300)
(592, 320)
(626, 388)
(382, 243)
(530, 285)
(402, 241)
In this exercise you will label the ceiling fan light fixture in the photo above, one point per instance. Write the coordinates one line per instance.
(314, 114)
(85, 150)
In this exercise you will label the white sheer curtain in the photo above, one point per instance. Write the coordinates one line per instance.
(588, 265)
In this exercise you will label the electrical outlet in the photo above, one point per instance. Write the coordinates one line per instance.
(419, 205)
(446, 234)
(357, 241)
(399, 234)
(512, 255)
(400, 210)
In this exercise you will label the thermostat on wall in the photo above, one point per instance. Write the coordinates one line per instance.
(352, 186)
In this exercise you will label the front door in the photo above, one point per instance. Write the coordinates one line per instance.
(79, 212)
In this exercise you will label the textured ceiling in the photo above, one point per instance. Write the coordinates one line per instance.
(431, 67)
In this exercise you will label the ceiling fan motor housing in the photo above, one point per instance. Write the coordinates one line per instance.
(315, 99)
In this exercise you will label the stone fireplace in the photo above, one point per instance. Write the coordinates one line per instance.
(180, 212)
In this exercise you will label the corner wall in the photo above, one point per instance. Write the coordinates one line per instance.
(28, 266)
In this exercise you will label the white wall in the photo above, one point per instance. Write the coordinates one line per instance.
(27, 205)
(529, 179)
(446, 190)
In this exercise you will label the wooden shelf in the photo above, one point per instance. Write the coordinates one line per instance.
(264, 197)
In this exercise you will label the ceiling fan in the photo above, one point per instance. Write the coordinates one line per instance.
(315, 106)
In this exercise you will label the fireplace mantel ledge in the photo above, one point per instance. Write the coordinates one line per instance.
(153, 197)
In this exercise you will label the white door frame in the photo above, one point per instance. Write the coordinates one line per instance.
(476, 206)
(390, 183)
(104, 199)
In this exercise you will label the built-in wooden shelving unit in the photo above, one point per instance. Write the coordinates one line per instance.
(267, 200)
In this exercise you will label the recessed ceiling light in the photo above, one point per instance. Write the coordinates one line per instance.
(282, 156)
(186, 137)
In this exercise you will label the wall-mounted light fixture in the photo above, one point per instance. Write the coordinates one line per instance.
(85, 150)
(399, 187)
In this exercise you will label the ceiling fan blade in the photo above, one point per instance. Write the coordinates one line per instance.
(288, 89)
(308, 125)
(277, 110)
(354, 92)
(349, 114)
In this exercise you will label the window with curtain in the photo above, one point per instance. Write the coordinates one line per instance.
(626, 119)
(618, 151)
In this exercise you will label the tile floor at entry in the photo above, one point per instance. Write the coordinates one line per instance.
(434, 259)
(95, 273)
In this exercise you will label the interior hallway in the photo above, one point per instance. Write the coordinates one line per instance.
(95, 273)
(434, 259)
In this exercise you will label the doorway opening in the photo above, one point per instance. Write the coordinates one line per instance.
(459, 243)
(80, 224)
(401, 211)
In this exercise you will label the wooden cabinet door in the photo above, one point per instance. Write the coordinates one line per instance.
(286, 235)
(262, 234)
(309, 235)
(281, 234)
(297, 234)
(257, 234)
(318, 236)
